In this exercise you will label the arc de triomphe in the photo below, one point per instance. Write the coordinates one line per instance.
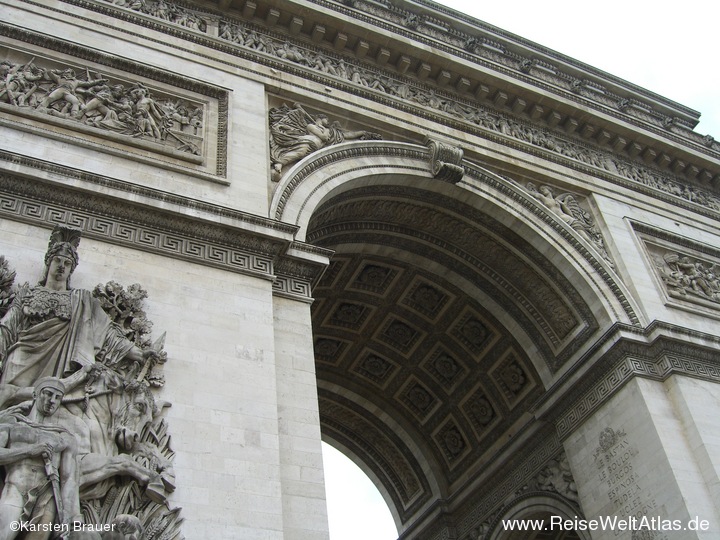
(484, 271)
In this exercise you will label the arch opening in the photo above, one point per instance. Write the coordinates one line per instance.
(443, 317)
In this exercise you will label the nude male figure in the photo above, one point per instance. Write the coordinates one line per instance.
(40, 460)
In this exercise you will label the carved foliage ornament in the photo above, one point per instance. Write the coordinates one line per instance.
(78, 372)
(73, 97)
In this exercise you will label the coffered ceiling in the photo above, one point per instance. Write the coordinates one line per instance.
(421, 325)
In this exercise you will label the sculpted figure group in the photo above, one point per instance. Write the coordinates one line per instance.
(165, 11)
(688, 277)
(96, 101)
(75, 410)
(462, 109)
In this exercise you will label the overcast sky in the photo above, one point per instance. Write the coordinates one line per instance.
(666, 48)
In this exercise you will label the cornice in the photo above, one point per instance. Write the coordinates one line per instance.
(504, 53)
(298, 271)
(9, 160)
(656, 352)
(130, 215)
(642, 153)
(466, 37)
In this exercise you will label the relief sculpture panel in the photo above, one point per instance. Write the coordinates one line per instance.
(62, 98)
(84, 449)
(688, 273)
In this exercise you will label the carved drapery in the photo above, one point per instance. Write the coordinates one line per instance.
(566, 207)
(295, 134)
(122, 451)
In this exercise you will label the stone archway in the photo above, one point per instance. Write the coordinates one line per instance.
(446, 312)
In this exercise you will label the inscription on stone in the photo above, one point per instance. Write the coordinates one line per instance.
(616, 465)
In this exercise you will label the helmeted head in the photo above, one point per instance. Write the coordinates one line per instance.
(48, 395)
(64, 242)
(50, 382)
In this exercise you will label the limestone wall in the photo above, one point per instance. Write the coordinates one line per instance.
(221, 379)
(642, 457)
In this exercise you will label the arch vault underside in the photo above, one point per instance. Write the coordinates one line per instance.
(441, 318)
(476, 266)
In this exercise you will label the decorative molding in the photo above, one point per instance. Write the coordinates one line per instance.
(119, 222)
(445, 161)
(450, 109)
(296, 278)
(347, 152)
(658, 361)
(686, 271)
(496, 49)
(293, 288)
(43, 168)
(406, 94)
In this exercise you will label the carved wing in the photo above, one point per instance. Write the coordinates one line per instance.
(285, 120)
(286, 125)
(571, 207)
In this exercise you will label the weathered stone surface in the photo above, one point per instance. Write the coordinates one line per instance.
(464, 260)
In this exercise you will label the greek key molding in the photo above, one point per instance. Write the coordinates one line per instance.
(37, 167)
(657, 361)
(295, 279)
(138, 237)
(118, 222)
(293, 288)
